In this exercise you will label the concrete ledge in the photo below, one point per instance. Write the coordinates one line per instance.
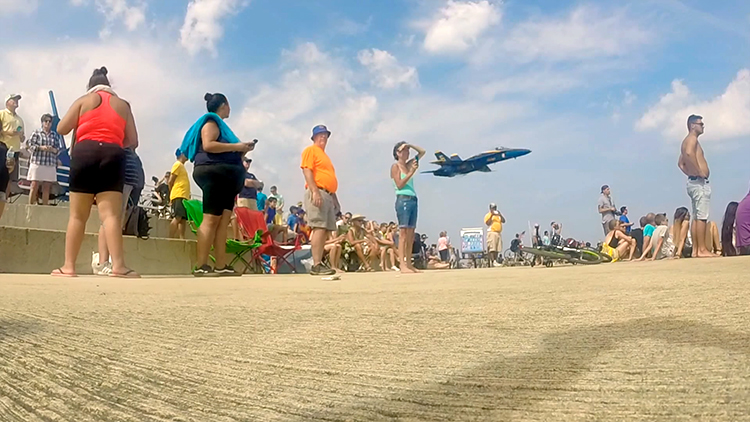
(56, 218)
(34, 251)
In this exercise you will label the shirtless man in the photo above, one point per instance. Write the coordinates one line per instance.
(693, 163)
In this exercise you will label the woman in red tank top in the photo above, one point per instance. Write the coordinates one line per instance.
(103, 124)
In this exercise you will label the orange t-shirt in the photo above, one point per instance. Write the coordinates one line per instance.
(315, 159)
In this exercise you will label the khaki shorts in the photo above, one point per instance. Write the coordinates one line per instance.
(323, 217)
(494, 242)
(248, 203)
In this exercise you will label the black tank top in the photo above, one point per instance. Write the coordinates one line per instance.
(203, 158)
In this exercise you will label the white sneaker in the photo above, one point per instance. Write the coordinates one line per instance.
(395, 268)
(102, 269)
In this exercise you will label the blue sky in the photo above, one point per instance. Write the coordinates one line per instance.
(600, 92)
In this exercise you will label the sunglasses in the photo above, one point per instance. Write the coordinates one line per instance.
(699, 124)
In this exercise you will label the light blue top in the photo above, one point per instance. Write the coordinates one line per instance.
(408, 189)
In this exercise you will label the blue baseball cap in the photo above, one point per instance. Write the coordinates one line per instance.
(320, 129)
(178, 153)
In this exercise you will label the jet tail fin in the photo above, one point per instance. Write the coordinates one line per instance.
(441, 157)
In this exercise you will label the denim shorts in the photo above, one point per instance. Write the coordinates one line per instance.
(407, 209)
(700, 195)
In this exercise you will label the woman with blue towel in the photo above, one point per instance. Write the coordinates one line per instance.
(217, 155)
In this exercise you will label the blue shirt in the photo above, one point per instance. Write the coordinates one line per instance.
(624, 219)
(292, 221)
(262, 197)
(270, 215)
(648, 230)
(249, 193)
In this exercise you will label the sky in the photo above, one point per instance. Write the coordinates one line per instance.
(599, 91)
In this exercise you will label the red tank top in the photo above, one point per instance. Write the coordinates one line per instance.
(101, 124)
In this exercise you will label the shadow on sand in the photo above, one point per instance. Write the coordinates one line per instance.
(519, 382)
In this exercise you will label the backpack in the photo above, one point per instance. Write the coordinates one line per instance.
(137, 223)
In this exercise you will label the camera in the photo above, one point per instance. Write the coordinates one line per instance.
(255, 141)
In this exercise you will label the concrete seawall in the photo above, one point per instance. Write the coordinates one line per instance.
(56, 218)
(34, 251)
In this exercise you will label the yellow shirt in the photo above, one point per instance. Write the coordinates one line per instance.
(11, 123)
(497, 222)
(181, 186)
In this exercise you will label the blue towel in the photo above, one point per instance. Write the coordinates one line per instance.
(189, 145)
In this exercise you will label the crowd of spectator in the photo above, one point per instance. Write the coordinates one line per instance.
(354, 242)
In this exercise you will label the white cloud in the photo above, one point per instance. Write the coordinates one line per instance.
(132, 14)
(160, 127)
(726, 116)
(532, 83)
(9, 7)
(386, 71)
(350, 27)
(628, 98)
(202, 27)
(459, 24)
(586, 33)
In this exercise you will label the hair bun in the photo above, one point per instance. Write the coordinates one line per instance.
(208, 96)
(103, 70)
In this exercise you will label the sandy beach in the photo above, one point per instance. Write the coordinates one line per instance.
(630, 341)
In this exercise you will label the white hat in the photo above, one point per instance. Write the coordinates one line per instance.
(12, 97)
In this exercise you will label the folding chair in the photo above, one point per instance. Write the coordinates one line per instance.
(253, 222)
(238, 249)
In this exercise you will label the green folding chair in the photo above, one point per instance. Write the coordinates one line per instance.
(235, 248)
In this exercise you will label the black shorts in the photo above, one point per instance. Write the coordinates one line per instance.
(97, 167)
(4, 177)
(178, 209)
(220, 183)
(444, 255)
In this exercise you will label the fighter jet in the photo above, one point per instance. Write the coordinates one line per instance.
(454, 165)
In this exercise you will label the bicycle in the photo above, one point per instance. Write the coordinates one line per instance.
(519, 258)
(571, 254)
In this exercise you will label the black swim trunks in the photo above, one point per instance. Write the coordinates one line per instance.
(178, 208)
(97, 167)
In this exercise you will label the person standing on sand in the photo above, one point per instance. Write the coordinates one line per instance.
(407, 206)
(607, 208)
(104, 126)
(693, 164)
(217, 154)
(494, 221)
(321, 201)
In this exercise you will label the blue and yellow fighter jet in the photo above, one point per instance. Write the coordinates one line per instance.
(454, 165)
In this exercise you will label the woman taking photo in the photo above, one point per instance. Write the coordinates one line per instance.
(402, 173)
(104, 125)
(217, 154)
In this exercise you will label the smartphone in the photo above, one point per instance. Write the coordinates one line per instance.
(255, 141)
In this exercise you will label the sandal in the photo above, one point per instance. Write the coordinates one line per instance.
(60, 273)
(127, 274)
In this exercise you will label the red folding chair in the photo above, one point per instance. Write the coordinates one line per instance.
(251, 221)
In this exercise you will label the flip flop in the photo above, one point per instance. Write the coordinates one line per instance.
(128, 274)
(59, 273)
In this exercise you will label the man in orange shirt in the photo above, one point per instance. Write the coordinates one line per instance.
(320, 197)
